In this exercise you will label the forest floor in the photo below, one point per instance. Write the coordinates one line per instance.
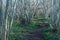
(36, 34)
(43, 33)
(39, 29)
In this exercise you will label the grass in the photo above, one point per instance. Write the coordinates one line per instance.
(19, 32)
(36, 17)
(49, 35)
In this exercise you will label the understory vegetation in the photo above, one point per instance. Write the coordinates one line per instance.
(19, 32)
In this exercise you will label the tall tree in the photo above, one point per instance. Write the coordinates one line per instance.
(8, 8)
(0, 18)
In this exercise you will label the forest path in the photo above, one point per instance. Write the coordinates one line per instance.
(37, 34)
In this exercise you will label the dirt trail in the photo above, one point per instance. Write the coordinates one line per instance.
(36, 34)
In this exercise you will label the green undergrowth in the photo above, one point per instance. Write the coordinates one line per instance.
(36, 17)
(19, 32)
(49, 35)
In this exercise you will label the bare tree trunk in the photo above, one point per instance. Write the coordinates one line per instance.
(0, 18)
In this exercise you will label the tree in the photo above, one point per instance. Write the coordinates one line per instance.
(7, 18)
(0, 18)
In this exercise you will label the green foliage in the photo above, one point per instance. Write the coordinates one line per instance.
(36, 17)
(18, 32)
(49, 35)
